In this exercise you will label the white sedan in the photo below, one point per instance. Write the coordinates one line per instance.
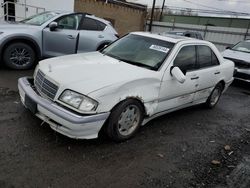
(137, 78)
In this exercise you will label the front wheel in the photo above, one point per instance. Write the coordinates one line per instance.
(19, 56)
(125, 120)
(214, 96)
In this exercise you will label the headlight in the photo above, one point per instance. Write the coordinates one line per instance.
(78, 101)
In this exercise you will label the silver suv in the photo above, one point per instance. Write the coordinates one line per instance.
(51, 34)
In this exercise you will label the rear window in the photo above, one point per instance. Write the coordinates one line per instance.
(92, 25)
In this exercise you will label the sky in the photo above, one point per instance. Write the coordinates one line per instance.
(228, 5)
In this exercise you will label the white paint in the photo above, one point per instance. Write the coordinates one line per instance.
(110, 81)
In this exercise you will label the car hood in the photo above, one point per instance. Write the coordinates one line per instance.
(236, 55)
(89, 72)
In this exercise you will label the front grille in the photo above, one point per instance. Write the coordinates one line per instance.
(45, 87)
(239, 63)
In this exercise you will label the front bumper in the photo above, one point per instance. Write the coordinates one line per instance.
(61, 120)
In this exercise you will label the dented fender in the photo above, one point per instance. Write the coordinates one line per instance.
(145, 90)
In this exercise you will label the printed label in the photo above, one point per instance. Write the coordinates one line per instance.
(159, 48)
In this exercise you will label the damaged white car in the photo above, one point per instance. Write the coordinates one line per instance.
(137, 78)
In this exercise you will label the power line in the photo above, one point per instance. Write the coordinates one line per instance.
(236, 1)
(225, 11)
(205, 11)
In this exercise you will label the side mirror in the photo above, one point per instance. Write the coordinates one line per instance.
(53, 26)
(178, 74)
(228, 48)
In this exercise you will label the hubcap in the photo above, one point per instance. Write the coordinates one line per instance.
(128, 120)
(20, 56)
(215, 96)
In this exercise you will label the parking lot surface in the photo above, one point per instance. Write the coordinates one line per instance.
(194, 147)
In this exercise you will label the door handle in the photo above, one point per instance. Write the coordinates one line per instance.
(195, 78)
(100, 36)
(217, 72)
(71, 37)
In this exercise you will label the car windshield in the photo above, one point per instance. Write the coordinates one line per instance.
(39, 19)
(140, 51)
(242, 47)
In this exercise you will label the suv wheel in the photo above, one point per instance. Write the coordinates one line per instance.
(19, 56)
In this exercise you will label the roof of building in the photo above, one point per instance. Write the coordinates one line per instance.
(124, 3)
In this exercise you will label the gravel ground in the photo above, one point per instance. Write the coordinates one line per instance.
(194, 147)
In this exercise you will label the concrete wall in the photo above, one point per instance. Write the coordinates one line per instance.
(220, 36)
(124, 19)
(1, 9)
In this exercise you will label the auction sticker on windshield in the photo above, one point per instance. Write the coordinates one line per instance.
(159, 48)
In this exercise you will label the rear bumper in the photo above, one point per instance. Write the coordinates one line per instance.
(60, 119)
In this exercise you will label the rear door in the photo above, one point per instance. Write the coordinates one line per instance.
(209, 71)
(92, 34)
(64, 39)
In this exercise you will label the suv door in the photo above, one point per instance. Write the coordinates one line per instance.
(64, 39)
(209, 71)
(172, 93)
(91, 34)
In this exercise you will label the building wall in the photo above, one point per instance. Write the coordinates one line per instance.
(1, 9)
(22, 12)
(124, 19)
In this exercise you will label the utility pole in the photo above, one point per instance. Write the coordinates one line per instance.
(163, 5)
(152, 16)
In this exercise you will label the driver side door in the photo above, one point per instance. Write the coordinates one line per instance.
(64, 39)
(174, 94)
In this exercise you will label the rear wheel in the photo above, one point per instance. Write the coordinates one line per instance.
(19, 56)
(125, 120)
(214, 96)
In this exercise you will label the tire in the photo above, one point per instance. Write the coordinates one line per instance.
(19, 56)
(214, 96)
(125, 120)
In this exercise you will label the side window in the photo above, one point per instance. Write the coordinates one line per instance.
(192, 35)
(69, 22)
(215, 60)
(206, 57)
(101, 26)
(89, 24)
(186, 59)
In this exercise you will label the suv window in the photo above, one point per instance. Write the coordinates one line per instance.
(101, 26)
(186, 59)
(69, 21)
(92, 25)
(206, 57)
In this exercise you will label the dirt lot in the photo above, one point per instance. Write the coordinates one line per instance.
(175, 150)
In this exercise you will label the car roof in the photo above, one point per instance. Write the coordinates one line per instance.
(164, 36)
(61, 12)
